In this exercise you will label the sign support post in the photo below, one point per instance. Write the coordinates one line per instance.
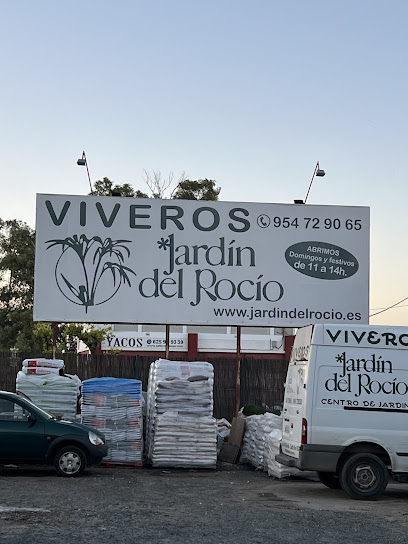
(167, 341)
(54, 339)
(238, 374)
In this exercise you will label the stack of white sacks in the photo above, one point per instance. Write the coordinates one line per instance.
(263, 434)
(181, 430)
(274, 468)
(41, 381)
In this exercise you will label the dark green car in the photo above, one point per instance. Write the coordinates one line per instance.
(29, 435)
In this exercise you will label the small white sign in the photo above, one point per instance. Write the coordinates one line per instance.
(138, 342)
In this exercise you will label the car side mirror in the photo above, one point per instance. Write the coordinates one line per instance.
(31, 419)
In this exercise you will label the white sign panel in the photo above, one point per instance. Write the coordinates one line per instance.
(123, 260)
(142, 342)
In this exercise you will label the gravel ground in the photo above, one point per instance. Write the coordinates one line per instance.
(233, 504)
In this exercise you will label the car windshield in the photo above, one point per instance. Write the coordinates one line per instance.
(21, 394)
(29, 401)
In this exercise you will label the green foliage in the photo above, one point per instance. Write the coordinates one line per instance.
(252, 410)
(68, 336)
(44, 335)
(89, 334)
(140, 194)
(17, 243)
(186, 189)
(17, 248)
(16, 330)
(106, 187)
(201, 189)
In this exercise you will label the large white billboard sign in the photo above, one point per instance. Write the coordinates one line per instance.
(123, 260)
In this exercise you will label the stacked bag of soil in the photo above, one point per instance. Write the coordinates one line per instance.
(274, 468)
(44, 382)
(181, 430)
(254, 446)
(114, 406)
(263, 434)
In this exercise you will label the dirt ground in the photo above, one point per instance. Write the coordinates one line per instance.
(232, 504)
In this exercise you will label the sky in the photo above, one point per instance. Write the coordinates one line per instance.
(248, 93)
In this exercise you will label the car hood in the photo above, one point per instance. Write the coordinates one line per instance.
(74, 426)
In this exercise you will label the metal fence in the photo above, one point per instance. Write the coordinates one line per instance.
(262, 380)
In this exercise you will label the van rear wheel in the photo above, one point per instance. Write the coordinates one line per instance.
(330, 479)
(364, 477)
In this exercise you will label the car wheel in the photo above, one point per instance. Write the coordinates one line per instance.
(70, 461)
(330, 479)
(364, 477)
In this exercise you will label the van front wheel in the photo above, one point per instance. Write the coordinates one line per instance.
(364, 477)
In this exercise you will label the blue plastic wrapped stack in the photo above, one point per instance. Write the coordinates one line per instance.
(114, 406)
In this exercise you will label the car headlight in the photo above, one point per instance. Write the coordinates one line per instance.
(95, 439)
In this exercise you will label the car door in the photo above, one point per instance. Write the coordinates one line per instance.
(22, 435)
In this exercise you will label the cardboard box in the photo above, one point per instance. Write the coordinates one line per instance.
(230, 450)
(229, 453)
(237, 432)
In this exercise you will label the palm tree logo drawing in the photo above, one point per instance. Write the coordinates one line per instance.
(90, 271)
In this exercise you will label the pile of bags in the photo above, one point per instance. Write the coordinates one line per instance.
(223, 432)
(274, 468)
(263, 434)
(41, 367)
(181, 430)
(254, 447)
(184, 442)
(44, 382)
(114, 406)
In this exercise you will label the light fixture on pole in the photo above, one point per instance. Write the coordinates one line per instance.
(83, 162)
(317, 172)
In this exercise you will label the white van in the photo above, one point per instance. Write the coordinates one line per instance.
(345, 412)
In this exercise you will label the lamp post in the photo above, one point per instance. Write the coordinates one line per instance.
(317, 172)
(83, 162)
